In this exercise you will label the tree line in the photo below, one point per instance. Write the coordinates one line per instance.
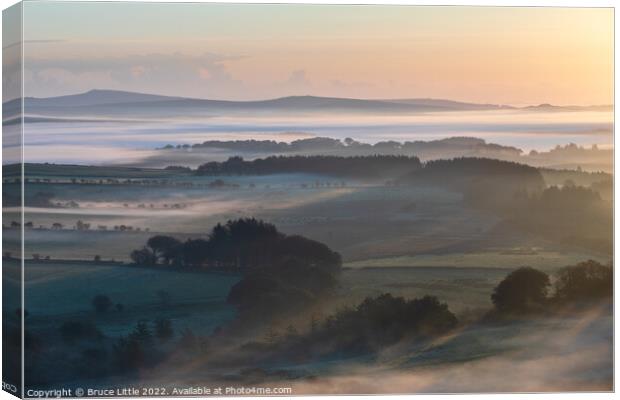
(356, 166)
(384, 320)
(242, 244)
(528, 290)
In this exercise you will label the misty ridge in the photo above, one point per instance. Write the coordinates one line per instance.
(568, 207)
(445, 148)
(132, 129)
(569, 156)
(121, 103)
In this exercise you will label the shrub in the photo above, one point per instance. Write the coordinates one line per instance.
(143, 256)
(385, 319)
(142, 333)
(585, 281)
(523, 290)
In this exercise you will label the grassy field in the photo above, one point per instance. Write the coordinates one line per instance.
(547, 260)
(57, 292)
(464, 289)
(359, 221)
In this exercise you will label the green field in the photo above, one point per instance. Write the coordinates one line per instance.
(60, 292)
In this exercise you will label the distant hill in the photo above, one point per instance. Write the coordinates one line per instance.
(451, 104)
(108, 102)
(97, 97)
(551, 107)
(121, 104)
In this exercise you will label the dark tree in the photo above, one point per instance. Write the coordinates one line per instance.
(310, 251)
(101, 303)
(143, 256)
(523, 290)
(164, 247)
(384, 320)
(261, 293)
(367, 166)
(196, 253)
(281, 273)
(142, 333)
(585, 281)
(244, 244)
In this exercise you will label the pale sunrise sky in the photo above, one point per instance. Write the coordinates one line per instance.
(241, 52)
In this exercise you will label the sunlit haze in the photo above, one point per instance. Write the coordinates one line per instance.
(227, 51)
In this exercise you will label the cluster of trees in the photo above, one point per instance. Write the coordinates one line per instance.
(462, 173)
(528, 290)
(288, 287)
(570, 214)
(139, 348)
(357, 166)
(242, 244)
(79, 226)
(572, 151)
(485, 183)
(445, 148)
(573, 215)
(281, 272)
(375, 323)
(567, 198)
(385, 320)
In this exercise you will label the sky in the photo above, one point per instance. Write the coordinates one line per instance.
(500, 55)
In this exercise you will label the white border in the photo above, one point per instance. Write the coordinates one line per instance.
(504, 3)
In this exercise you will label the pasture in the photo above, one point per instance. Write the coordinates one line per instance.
(60, 292)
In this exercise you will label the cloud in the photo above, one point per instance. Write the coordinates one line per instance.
(298, 78)
(204, 75)
(138, 71)
(297, 83)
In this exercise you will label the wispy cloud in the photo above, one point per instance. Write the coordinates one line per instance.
(201, 75)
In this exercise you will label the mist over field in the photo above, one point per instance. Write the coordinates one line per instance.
(450, 229)
(133, 142)
(322, 216)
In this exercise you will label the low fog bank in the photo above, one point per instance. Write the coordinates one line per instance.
(568, 156)
(133, 140)
(572, 354)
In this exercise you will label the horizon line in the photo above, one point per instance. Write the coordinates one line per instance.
(393, 99)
